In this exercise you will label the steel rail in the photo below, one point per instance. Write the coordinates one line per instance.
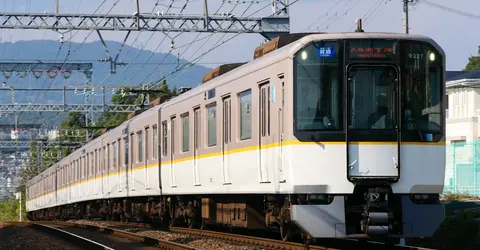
(81, 241)
(249, 240)
(162, 244)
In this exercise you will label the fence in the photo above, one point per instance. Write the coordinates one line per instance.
(462, 173)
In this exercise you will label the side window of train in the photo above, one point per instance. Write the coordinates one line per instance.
(245, 115)
(155, 142)
(87, 166)
(132, 148)
(140, 146)
(129, 150)
(104, 162)
(114, 160)
(212, 124)
(185, 132)
(164, 139)
(119, 155)
(92, 164)
(109, 154)
(147, 141)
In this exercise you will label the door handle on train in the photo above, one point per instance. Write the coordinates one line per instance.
(351, 164)
(395, 164)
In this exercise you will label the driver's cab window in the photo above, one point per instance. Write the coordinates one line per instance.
(372, 97)
(317, 88)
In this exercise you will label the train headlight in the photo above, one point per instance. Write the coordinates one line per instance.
(432, 56)
(304, 55)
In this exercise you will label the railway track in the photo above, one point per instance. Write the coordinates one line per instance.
(278, 244)
(264, 243)
(249, 240)
(161, 244)
(81, 241)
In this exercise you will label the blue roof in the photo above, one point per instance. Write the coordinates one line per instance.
(455, 75)
(451, 74)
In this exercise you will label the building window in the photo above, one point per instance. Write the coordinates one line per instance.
(212, 124)
(185, 133)
(245, 115)
(164, 136)
(155, 142)
(140, 146)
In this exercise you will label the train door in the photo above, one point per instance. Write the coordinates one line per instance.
(226, 138)
(131, 161)
(264, 130)
(196, 145)
(172, 152)
(107, 168)
(147, 157)
(373, 145)
(102, 169)
(280, 125)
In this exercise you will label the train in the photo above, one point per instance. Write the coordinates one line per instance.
(326, 135)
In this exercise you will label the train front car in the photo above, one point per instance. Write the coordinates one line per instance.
(369, 131)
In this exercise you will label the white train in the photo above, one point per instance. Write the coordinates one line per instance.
(330, 135)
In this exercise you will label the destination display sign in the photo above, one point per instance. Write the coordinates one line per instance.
(371, 49)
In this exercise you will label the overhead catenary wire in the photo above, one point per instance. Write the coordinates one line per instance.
(203, 54)
(208, 38)
(450, 9)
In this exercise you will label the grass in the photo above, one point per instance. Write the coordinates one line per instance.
(458, 197)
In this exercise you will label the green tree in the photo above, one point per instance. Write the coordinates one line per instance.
(473, 62)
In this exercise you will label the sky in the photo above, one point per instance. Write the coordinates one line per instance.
(456, 33)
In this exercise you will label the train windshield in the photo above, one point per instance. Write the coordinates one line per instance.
(373, 92)
(422, 91)
(318, 95)
(389, 83)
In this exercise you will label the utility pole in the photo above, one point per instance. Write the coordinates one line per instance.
(138, 14)
(405, 15)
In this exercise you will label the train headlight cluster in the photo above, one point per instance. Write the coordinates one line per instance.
(432, 56)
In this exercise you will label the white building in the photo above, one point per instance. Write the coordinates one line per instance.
(462, 118)
(463, 132)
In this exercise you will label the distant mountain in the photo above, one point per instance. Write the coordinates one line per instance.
(129, 75)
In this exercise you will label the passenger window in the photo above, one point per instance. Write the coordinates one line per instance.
(92, 165)
(185, 133)
(140, 146)
(146, 143)
(245, 115)
(165, 138)
(132, 148)
(88, 166)
(227, 121)
(119, 156)
(212, 124)
(114, 165)
(127, 145)
(155, 142)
